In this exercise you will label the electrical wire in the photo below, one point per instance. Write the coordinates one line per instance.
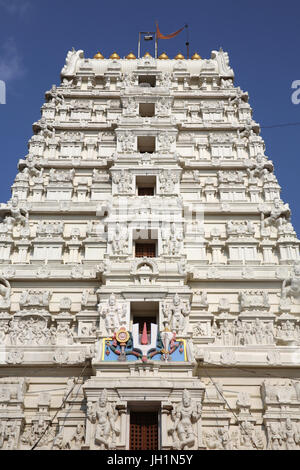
(231, 410)
(288, 124)
(254, 372)
(61, 406)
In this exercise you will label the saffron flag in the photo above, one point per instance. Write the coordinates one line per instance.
(167, 36)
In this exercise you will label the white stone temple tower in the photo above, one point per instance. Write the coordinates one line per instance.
(150, 275)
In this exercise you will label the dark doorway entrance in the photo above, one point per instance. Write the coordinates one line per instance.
(143, 431)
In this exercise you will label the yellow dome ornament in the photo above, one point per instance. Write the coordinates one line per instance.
(179, 56)
(147, 54)
(163, 56)
(196, 56)
(98, 56)
(114, 56)
(130, 56)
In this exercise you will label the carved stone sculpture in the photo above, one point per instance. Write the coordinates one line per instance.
(291, 286)
(184, 416)
(104, 416)
(71, 60)
(119, 241)
(5, 292)
(113, 314)
(175, 314)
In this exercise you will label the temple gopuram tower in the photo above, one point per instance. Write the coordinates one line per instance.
(150, 274)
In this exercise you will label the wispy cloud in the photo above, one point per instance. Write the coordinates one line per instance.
(16, 7)
(11, 63)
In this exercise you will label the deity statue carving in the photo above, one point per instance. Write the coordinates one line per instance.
(278, 215)
(173, 241)
(8, 435)
(5, 291)
(19, 216)
(104, 415)
(167, 181)
(218, 439)
(32, 167)
(184, 416)
(129, 79)
(291, 286)
(165, 141)
(261, 168)
(162, 107)
(77, 439)
(55, 97)
(247, 130)
(175, 314)
(45, 129)
(130, 107)
(119, 240)
(166, 79)
(127, 141)
(124, 180)
(113, 314)
(291, 435)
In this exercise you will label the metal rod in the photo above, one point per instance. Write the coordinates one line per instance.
(139, 46)
(187, 42)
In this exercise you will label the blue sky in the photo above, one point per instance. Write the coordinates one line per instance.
(261, 37)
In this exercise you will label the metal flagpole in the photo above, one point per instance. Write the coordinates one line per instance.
(187, 42)
(139, 46)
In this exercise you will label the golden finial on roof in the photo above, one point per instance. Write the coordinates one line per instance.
(179, 56)
(147, 54)
(163, 56)
(196, 56)
(130, 56)
(114, 56)
(98, 56)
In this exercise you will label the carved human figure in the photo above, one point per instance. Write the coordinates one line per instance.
(275, 435)
(175, 314)
(247, 432)
(45, 129)
(184, 416)
(224, 438)
(129, 79)
(173, 241)
(123, 179)
(291, 286)
(162, 106)
(289, 435)
(247, 130)
(5, 291)
(165, 141)
(77, 439)
(55, 97)
(127, 141)
(278, 215)
(32, 167)
(167, 179)
(119, 240)
(114, 316)
(105, 418)
(130, 107)
(20, 216)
